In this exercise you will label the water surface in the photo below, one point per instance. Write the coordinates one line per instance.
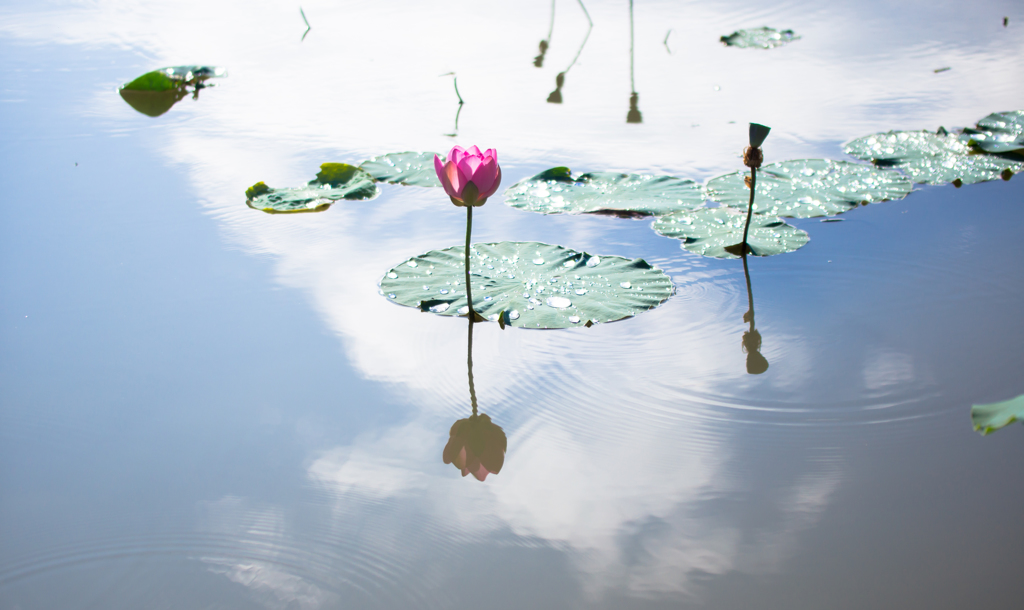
(204, 406)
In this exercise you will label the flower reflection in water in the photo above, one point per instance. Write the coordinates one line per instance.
(476, 445)
(756, 363)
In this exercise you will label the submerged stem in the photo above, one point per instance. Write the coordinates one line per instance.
(750, 212)
(469, 366)
(469, 289)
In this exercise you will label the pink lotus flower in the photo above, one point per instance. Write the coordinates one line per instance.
(469, 176)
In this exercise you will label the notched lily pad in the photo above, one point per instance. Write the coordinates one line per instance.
(759, 38)
(718, 233)
(807, 188)
(993, 416)
(930, 158)
(998, 133)
(408, 168)
(334, 182)
(556, 191)
(529, 285)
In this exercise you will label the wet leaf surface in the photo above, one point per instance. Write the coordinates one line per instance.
(556, 191)
(529, 285)
(991, 417)
(999, 132)
(714, 231)
(408, 168)
(807, 188)
(930, 158)
(759, 38)
(334, 182)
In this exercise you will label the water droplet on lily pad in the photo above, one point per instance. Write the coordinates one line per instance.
(714, 231)
(807, 188)
(759, 38)
(603, 298)
(408, 168)
(930, 158)
(608, 193)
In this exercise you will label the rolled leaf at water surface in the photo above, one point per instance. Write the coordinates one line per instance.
(807, 188)
(998, 133)
(759, 38)
(165, 79)
(528, 285)
(154, 93)
(556, 191)
(930, 158)
(335, 181)
(408, 168)
(990, 417)
(716, 232)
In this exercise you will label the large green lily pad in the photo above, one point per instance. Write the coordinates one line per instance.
(556, 191)
(529, 285)
(999, 132)
(930, 158)
(993, 416)
(409, 168)
(806, 188)
(759, 38)
(716, 232)
(335, 181)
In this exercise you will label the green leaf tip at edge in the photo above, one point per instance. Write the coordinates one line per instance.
(156, 80)
(988, 418)
(256, 190)
(336, 173)
(562, 174)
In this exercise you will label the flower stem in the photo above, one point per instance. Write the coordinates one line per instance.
(469, 289)
(750, 210)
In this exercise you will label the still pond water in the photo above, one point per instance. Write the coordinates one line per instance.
(205, 406)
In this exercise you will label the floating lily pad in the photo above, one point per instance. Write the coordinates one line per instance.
(999, 132)
(715, 231)
(409, 168)
(930, 158)
(555, 191)
(335, 181)
(759, 38)
(991, 417)
(806, 188)
(529, 285)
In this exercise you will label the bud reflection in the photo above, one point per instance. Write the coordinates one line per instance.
(539, 60)
(756, 363)
(556, 95)
(634, 116)
(476, 445)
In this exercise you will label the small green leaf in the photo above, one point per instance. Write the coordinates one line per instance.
(408, 168)
(993, 416)
(759, 38)
(807, 188)
(718, 233)
(555, 191)
(528, 285)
